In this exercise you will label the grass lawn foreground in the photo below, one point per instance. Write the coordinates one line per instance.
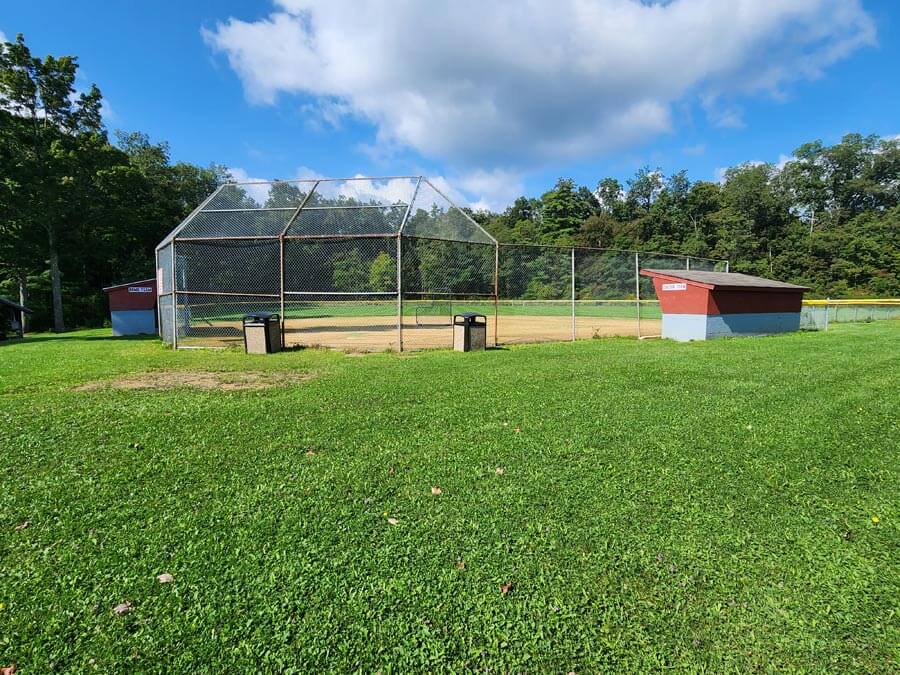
(616, 505)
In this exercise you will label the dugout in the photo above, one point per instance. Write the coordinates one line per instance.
(132, 307)
(703, 305)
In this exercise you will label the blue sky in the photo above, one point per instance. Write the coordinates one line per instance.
(493, 101)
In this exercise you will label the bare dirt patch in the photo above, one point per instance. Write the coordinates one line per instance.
(252, 380)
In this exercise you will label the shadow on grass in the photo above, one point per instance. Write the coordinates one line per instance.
(50, 337)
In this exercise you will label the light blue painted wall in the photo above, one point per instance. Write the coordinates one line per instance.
(720, 325)
(684, 327)
(134, 322)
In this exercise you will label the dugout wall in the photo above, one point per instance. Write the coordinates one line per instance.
(369, 264)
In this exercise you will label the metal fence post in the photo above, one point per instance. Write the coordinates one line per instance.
(688, 264)
(826, 312)
(573, 295)
(726, 267)
(637, 290)
(399, 293)
(496, 289)
(174, 299)
(281, 294)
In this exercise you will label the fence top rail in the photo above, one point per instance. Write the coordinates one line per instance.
(850, 301)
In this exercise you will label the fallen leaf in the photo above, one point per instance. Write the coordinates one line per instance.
(499, 471)
(8, 670)
(517, 430)
(310, 453)
(505, 588)
(122, 608)
(22, 526)
(165, 578)
(391, 471)
(460, 565)
(436, 490)
(392, 521)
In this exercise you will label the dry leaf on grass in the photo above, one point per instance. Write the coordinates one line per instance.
(460, 565)
(392, 521)
(499, 471)
(505, 588)
(391, 471)
(436, 490)
(517, 430)
(165, 578)
(122, 608)
(22, 526)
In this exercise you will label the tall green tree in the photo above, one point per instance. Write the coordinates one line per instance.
(47, 120)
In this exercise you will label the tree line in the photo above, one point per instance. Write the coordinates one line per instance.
(79, 211)
(828, 218)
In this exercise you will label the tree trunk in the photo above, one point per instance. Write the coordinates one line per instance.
(23, 297)
(55, 284)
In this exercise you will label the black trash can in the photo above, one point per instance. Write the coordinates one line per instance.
(469, 332)
(262, 333)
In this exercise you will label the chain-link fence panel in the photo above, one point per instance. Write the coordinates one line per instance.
(433, 216)
(535, 294)
(349, 322)
(605, 290)
(352, 265)
(364, 192)
(164, 270)
(205, 320)
(227, 266)
(166, 319)
(347, 221)
(251, 196)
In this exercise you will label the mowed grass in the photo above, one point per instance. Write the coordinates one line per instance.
(721, 506)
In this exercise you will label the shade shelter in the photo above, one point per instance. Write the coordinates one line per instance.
(700, 305)
(132, 307)
(12, 318)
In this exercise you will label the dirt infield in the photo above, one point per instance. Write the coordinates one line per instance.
(379, 333)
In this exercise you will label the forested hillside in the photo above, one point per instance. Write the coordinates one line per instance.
(79, 211)
(829, 218)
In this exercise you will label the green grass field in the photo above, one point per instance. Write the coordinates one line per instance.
(727, 506)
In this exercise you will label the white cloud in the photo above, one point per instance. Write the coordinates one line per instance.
(483, 84)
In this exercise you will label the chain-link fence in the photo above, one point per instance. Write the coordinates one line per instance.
(820, 314)
(369, 264)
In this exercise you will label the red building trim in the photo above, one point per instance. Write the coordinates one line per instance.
(134, 296)
(678, 295)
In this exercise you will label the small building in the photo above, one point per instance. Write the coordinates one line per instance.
(703, 305)
(133, 307)
(12, 318)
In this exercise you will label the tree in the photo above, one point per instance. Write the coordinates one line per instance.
(383, 273)
(38, 102)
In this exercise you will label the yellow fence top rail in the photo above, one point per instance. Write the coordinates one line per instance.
(861, 301)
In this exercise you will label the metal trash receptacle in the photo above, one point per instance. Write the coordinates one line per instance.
(469, 334)
(262, 333)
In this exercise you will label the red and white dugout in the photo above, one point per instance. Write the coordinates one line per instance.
(703, 305)
(133, 307)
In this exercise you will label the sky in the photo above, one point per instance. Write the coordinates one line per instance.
(493, 98)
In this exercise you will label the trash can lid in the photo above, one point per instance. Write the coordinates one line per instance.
(259, 316)
(468, 316)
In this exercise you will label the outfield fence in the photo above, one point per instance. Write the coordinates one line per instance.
(820, 314)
